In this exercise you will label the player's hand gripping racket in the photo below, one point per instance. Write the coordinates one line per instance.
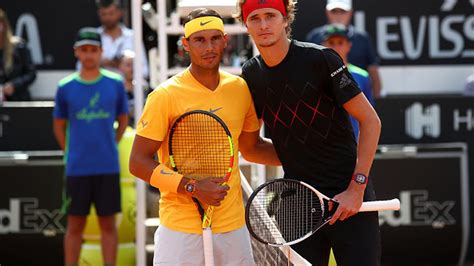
(200, 146)
(293, 210)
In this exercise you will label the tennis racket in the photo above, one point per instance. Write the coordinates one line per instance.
(201, 146)
(293, 211)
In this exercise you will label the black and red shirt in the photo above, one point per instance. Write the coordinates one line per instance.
(301, 103)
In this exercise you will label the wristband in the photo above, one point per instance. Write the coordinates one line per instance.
(165, 179)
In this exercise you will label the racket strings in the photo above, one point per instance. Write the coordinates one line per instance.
(200, 147)
(284, 212)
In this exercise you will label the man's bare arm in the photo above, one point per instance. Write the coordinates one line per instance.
(142, 165)
(59, 129)
(257, 149)
(141, 161)
(369, 131)
(351, 199)
(122, 125)
(375, 80)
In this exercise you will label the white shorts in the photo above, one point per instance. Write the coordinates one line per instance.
(177, 248)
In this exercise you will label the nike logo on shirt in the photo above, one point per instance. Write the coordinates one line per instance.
(214, 110)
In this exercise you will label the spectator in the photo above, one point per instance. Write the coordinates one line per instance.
(126, 69)
(87, 105)
(116, 37)
(362, 53)
(469, 88)
(336, 38)
(17, 71)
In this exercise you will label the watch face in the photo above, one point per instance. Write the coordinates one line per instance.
(190, 188)
(360, 179)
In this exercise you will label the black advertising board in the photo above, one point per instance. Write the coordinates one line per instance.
(429, 120)
(27, 126)
(426, 119)
(50, 27)
(438, 32)
(32, 225)
(431, 182)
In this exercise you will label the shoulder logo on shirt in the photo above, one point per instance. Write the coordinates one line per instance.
(339, 70)
(143, 123)
(214, 110)
(345, 81)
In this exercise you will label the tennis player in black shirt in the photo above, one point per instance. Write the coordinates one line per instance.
(304, 95)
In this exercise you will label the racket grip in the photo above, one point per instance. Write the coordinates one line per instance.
(208, 246)
(380, 205)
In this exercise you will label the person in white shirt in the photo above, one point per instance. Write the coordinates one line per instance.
(116, 37)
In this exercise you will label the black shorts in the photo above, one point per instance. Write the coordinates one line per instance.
(355, 241)
(102, 190)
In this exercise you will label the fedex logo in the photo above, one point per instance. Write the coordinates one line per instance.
(416, 209)
(24, 217)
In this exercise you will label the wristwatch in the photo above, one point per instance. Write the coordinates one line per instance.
(190, 186)
(360, 179)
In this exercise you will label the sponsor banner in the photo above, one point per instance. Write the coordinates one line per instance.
(427, 120)
(406, 32)
(431, 208)
(50, 27)
(32, 223)
(24, 216)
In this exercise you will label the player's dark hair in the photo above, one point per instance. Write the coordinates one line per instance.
(201, 12)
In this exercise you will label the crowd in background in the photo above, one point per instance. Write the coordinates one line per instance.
(18, 72)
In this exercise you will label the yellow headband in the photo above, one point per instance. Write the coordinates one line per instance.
(203, 23)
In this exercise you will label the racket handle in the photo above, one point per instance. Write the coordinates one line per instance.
(208, 246)
(380, 205)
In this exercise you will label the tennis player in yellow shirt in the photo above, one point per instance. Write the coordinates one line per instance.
(202, 86)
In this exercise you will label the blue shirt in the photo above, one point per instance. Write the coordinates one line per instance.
(91, 108)
(362, 52)
(362, 79)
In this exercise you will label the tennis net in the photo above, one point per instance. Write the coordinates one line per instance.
(265, 254)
